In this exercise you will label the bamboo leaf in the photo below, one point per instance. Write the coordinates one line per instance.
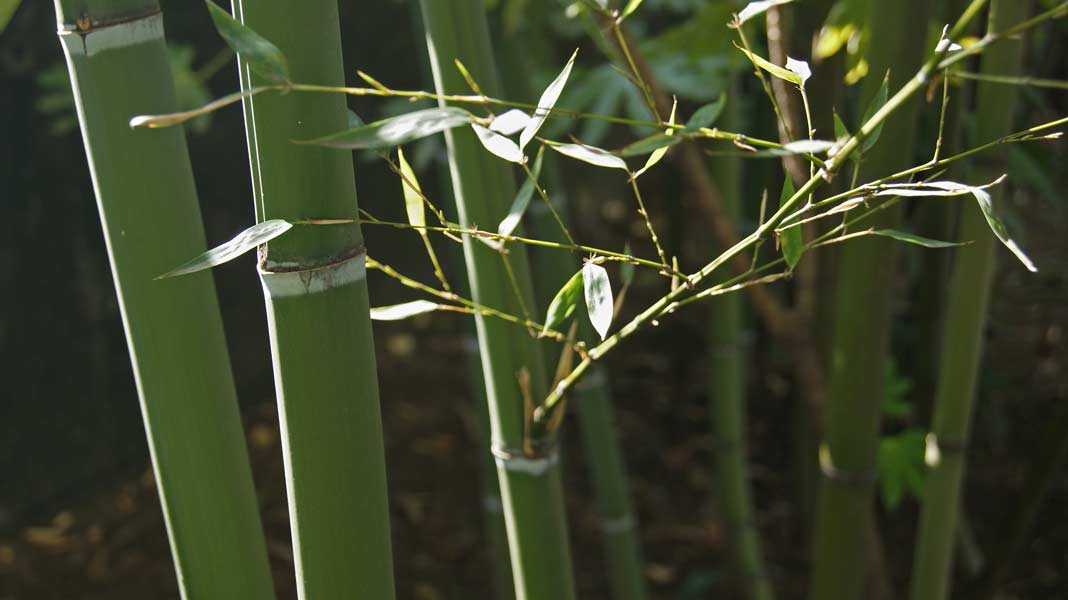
(592, 155)
(262, 56)
(770, 67)
(630, 8)
(758, 8)
(546, 103)
(413, 194)
(522, 199)
(661, 150)
(790, 238)
(799, 68)
(912, 238)
(564, 303)
(260, 233)
(498, 145)
(986, 204)
(658, 141)
(706, 115)
(876, 103)
(901, 466)
(510, 122)
(398, 312)
(396, 130)
(840, 129)
(804, 147)
(598, 292)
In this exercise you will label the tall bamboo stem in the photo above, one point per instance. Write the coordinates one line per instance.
(727, 376)
(148, 208)
(530, 485)
(317, 311)
(860, 341)
(968, 299)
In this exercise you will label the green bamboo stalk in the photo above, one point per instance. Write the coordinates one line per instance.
(728, 353)
(968, 299)
(151, 219)
(620, 537)
(317, 311)
(861, 329)
(530, 486)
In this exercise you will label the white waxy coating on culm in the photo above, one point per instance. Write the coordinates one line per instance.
(286, 284)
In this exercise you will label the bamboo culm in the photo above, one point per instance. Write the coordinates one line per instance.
(151, 219)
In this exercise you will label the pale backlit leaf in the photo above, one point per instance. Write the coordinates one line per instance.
(510, 122)
(592, 155)
(498, 145)
(397, 312)
(546, 103)
(598, 292)
(261, 233)
(758, 8)
(398, 130)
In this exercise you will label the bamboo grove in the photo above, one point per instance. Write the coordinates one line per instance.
(548, 308)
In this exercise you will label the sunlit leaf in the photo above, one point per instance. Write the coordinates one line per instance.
(770, 67)
(510, 122)
(790, 239)
(546, 103)
(413, 193)
(630, 8)
(262, 56)
(758, 8)
(799, 68)
(498, 145)
(598, 292)
(986, 204)
(522, 199)
(876, 103)
(591, 155)
(706, 115)
(397, 130)
(563, 305)
(397, 312)
(261, 233)
(661, 150)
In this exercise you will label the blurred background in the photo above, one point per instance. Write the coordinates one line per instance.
(79, 517)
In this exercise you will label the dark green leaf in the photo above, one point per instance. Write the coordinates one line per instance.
(649, 144)
(598, 293)
(563, 305)
(876, 103)
(262, 56)
(626, 270)
(396, 130)
(261, 233)
(912, 238)
(7, 10)
(901, 466)
(522, 199)
(840, 130)
(986, 204)
(706, 115)
(790, 239)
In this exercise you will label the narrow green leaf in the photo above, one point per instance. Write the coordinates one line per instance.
(564, 303)
(650, 144)
(7, 10)
(598, 292)
(770, 67)
(522, 199)
(397, 312)
(498, 145)
(901, 466)
(876, 103)
(592, 155)
(661, 150)
(546, 103)
(354, 119)
(758, 8)
(630, 8)
(260, 233)
(510, 122)
(840, 129)
(262, 56)
(706, 115)
(986, 204)
(396, 130)
(471, 83)
(413, 194)
(790, 239)
(912, 238)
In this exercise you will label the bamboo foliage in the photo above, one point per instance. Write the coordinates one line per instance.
(512, 364)
(317, 312)
(968, 299)
(151, 218)
(861, 329)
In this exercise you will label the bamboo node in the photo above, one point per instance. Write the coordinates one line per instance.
(285, 280)
(515, 461)
(856, 479)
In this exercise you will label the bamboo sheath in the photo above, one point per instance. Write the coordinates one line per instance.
(151, 219)
(315, 287)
